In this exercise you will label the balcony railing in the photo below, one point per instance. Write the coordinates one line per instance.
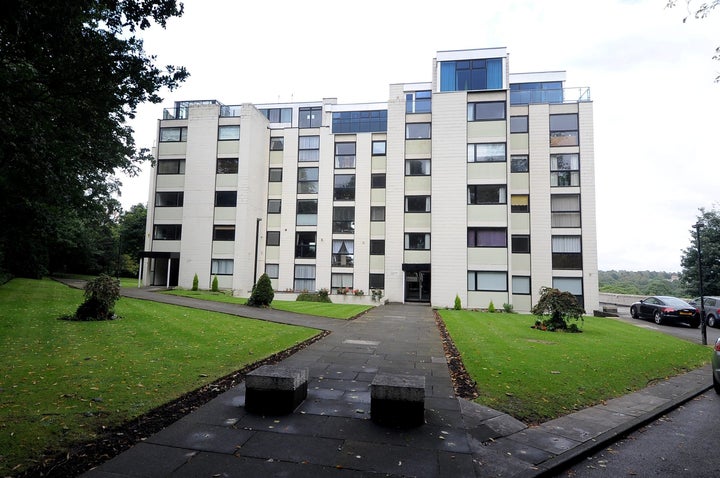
(561, 95)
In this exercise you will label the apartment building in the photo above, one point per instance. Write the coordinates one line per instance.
(478, 183)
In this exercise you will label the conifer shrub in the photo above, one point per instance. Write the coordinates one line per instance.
(196, 282)
(262, 294)
(215, 287)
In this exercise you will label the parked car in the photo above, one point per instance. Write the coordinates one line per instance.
(712, 309)
(716, 366)
(662, 309)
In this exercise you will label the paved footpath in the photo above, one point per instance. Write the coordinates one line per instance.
(331, 434)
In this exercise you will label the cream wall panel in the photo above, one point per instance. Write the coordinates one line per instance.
(588, 205)
(274, 221)
(418, 185)
(487, 258)
(377, 264)
(363, 198)
(519, 223)
(169, 214)
(418, 222)
(487, 215)
(378, 164)
(418, 148)
(486, 96)
(417, 257)
(487, 173)
(176, 148)
(223, 249)
(487, 131)
(167, 246)
(519, 143)
(170, 181)
(226, 180)
(225, 282)
(225, 213)
(272, 254)
(520, 182)
(276, 157)
(418, 117)
(377, 196)
(481, 300)
(377, 231)
(563, 108)
(521, 264)
(228, 147)
(275, 189)
(521, 303)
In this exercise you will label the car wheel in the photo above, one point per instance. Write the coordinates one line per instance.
(634, 313)
(710, 320)
(716, 385)
(658, 317)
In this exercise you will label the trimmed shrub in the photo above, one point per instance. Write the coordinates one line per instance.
(215, 287)
(313, 297)
(491, 307)
(196, 282)
(100, 297)
(262, 294)
(458, 303)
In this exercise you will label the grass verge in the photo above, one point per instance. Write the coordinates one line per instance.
(63, 381)
(536, 376)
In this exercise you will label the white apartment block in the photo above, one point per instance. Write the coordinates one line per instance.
(478, 184)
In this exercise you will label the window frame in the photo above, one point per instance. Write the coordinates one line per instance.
(344, 225)
(215, 268)
(345, 159)
(275, 175)
(231, 168)
(343, 193)
(228, 132)
(523, 127)
(222, 232)
(562, 135)
(475, 111)
(272, 242)
(483, 237)
(411, 245)
(309, 279)
(475, 153)
(416, 200)
(308, 153)
(306, 212)
(516, 162)
(222, 198)
(375, 211)
(178, 169)
(307, 249)
(477, 274)
(424, 162)
(377, 247)
(171, 198)
(181, 137)
(501, 191)
(272, 270)
(303, 183)
(418, 102)
(272, 209)
(570, 174)
(520, 208)
(520, 244)
(378, 180)
(277, 143)
(558, 212)
(174, 230)
(312, 118)
(380, 151)
(420, 134)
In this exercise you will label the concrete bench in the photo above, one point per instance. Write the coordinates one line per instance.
(398, 400)
(275, 390)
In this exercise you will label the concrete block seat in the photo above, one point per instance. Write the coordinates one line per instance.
(398, 400)
(275, 390)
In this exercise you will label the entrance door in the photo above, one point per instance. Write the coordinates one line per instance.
(417, 286)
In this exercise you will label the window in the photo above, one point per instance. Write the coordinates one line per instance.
(272, 270)
(341, 281)
(344, 155)
(342, 253)
(306, 212)
(277, 115)
(521, 285)
(272, 238)
(377, 247)
(417, 203)
(277, 143)
(486, 111)
(171, 166)
(223, 233)
(573, 285)
(520, 244)
(486, 153)
(518, 124)
(225, 198)
(305, 244)
(466, 75)
(417, 241)
(169, 199)
(487, 280)
(308, 148)
(377, 181)
(536, 92)
(519, 203)
(567, 252)
(377, 213)
(417, 167)
(307, 180)
(486, 194)
(565, 210)
(359, 121)
(417, 131)
(418, 102)
(274, 206)
(175, 134)
(379, 148)
(344, 189)
(221, 267)
(304, 277)
(227, 166)
(228, 132)
(564, 170)
(487, 237)
(275, 175)
(377, 281)
(343, 220)
(310, 117)
(519, 163)
(564, 130)
(167, 232)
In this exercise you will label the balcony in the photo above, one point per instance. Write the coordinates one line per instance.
(541, 96)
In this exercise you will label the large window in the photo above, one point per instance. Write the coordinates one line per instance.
(519, 163)
(521, 244)
(486, 111)
(344, 189)
(308, 148)
(379, 148)
(169, 199)
(487, 194)
(487, 281)
(573, 285)
(222, 267)
(418, 101)
(277, 143)
(310, 117)
(171, 166)
(277, 115)
(343, 252)
(521, 285)
(377, 213)
(305, 244)
(307, 180)
(377, 281)
(274, 206)
(567, 252)
(344, 155)
(486, 153)
(306, 212)
(377, 247)
(223, 233)
(343, 219)
(564, 170)
(304, 277)
(417, 131)
(225, 198)
(272, 238)
(359, 121)
(466, 75)
(377, 181)
(167, 232)
(519, 203)
(564, 130)
(565, 210)
(417, 167)
(174, 134)
(518, 124)
(228, 132)
(417, 241)
(275, 175)
(417, 203)
(487, 237)
(341, 281)
(227, 166)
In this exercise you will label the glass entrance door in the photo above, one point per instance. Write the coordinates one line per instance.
(417, 286)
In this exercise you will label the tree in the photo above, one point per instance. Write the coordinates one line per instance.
(71, 74)
(559, 307)
(100, 297)
(699, 12)
(262, 294)
(131, 237)
(710, 249)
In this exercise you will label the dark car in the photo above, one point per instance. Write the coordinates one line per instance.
(712, 309)
(662, 309)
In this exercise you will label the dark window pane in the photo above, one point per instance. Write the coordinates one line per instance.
(225, 198)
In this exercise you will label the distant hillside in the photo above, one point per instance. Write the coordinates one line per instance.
(640, 282)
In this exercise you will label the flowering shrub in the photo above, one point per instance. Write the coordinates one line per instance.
(358, 292)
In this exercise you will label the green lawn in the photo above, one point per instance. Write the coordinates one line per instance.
(536, 376)
(62, 380)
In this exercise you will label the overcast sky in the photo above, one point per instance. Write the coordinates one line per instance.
(650, 76)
